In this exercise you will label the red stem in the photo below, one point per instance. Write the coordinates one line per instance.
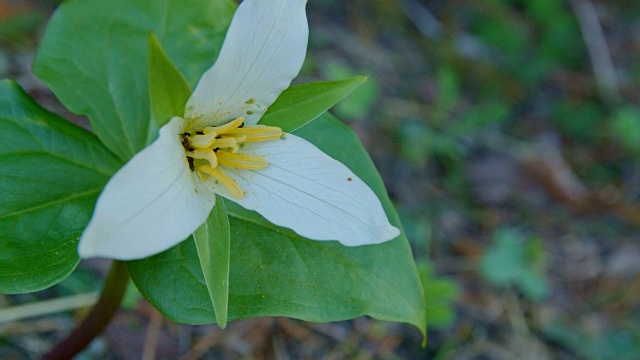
(98, 318)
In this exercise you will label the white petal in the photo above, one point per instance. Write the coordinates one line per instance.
(309, 192)
(149, 205)
(263, 51)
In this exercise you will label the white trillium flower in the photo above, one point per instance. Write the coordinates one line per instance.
(166, 191)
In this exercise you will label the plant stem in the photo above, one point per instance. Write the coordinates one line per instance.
(99, 316)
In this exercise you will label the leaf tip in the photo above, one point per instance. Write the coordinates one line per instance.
(361, 79)
(152, 38)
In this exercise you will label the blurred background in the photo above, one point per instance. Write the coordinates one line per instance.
(508, 135)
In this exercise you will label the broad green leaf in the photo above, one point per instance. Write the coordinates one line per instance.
(275, 272)
(168, 90)
(51, 173)
(93, 56)
(300, 104)
(212, 241)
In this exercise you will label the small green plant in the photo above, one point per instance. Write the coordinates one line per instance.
(625, 129)
(440, 294)
(513, 260)
(612, 343)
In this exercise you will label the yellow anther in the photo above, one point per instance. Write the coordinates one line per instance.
(257, 133)
(202, 141)
(205, 154)
(224, 128)
(224, 179)
(241, 161)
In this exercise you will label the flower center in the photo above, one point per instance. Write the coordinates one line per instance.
(219, 145)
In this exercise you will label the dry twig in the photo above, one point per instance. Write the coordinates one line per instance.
(603, 68)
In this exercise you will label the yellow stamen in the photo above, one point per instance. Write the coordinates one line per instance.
(241, 161)
(224, 179)
(205, 154)
(239, 138)
(224, 128)
(203, 141)
(257, 133)
(227, 143)
(219, 145)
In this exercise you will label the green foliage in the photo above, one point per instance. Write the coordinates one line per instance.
(503, 32)
(421, 143)
(441, 137)
(581, 121)
(440, 294)
(51, 173)
(481, 117)
(416, 140)
(300, 104)
(130, 88)
(530, 37)
(93, 56)
(79, 281)
(212, 241)
(512, 260)
(448, 92)
(276, 272)
(131, 297)
(168, 90)
(619, 344)
(625, 129)
(560, 39)
(359, 103)
(14, 27)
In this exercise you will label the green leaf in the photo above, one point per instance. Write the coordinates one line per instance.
(300, 104)
(93, 56)
(168, 90)
(51, 173)
(212, 241)
(275, 272)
